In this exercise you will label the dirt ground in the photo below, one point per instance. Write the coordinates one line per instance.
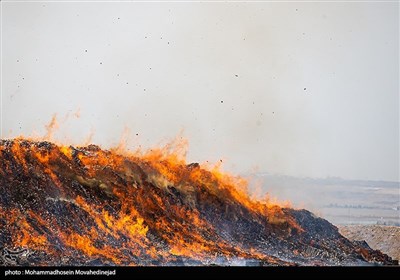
(383, 238)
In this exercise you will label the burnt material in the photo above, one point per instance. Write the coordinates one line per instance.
(88, 206)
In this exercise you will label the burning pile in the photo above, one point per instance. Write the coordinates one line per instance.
(64, 205)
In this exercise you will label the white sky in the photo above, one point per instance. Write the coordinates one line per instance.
(308, 89)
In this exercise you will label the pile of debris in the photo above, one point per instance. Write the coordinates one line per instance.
(87, 206)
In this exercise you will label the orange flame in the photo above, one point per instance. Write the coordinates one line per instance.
(51, 127)
(134, 208)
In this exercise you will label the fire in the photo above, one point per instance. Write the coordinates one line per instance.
(85, 205)
(51, 127)
(122, 226)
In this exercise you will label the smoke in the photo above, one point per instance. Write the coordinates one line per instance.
(291, 88)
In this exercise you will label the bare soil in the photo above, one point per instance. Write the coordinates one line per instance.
(378, 237)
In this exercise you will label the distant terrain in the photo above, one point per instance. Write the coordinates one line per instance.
(340, 201)
(383, 238)
(362, 210)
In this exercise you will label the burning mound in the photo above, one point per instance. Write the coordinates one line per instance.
(87, 206)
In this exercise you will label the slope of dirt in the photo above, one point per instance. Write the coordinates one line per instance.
(87, 206)
(378, 237)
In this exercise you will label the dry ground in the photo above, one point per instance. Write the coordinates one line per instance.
(383, 238)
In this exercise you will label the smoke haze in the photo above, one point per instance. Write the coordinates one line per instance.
(304, 89)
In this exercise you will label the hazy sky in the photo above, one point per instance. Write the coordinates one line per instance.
(304, 89)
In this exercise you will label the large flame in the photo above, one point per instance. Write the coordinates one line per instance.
(128, 215)
(85, 205)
